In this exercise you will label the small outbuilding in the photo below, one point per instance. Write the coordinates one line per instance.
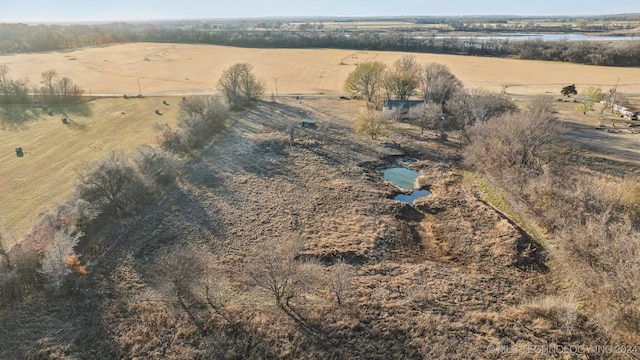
(391, 106)
(19, 152)
(308, 123)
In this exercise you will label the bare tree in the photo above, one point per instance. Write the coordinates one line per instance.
(56, 257)
(280, 273)
(540, 105)
(485, 104)
(182, 266)
(366, 80)
(240, 86)
(341, 281)
(49, 85)
(403, 78)
(13, 91)
(468, 107)
(67, 91)
(113, 186)
(439, 84)
(427, 116)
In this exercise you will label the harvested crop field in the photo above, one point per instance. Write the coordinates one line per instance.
(456, 278)
(55, 152)
(179, 68)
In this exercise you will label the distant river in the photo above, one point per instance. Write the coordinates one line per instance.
(545, 37)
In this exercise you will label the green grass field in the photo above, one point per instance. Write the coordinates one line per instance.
(55, 152)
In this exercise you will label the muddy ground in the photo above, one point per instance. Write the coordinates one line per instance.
(448, 278)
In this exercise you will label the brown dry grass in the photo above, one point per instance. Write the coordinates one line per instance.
(55, 152)
(180, 68)
(445, 285)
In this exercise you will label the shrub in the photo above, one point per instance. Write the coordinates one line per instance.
(170, 139)
(160, 168)
(519, 142)
(200, 118)
(372, 122)
(59, 259)
(114, 186)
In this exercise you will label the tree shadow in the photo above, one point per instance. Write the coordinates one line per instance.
(80, 109)
(359, 341)
(14, 116)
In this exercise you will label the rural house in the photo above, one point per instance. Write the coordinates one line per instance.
(391, 106)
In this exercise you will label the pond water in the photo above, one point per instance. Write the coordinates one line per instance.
(402, 177)
(545, 37)
(405, 179)
(416, 194)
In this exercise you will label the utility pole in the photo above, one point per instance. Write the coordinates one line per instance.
(139, 91)
(276, 80)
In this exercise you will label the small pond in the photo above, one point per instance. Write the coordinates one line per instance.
(402, 177)
(416, 194)
(405, 179)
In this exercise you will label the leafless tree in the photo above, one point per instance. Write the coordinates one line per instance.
(468, 107)
(540, 105)
(427, 116)
(56, 255)
(183, 267)
(439, 84)
(113, 186)
(49, 84)
(13, 91)
(403, 78)
(279, 272)
(240, 86)
(341, 281)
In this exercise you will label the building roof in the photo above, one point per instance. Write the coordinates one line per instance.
(405, 104)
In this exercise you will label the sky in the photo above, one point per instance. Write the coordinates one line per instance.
(107, 10)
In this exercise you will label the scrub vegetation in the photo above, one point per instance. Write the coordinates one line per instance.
(242, 234)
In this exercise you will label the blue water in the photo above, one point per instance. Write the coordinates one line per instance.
(405, 179)
(545, 37)
(416, 194)
(402, 177)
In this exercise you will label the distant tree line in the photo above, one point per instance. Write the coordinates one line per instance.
(620, 53)
(25, 38)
